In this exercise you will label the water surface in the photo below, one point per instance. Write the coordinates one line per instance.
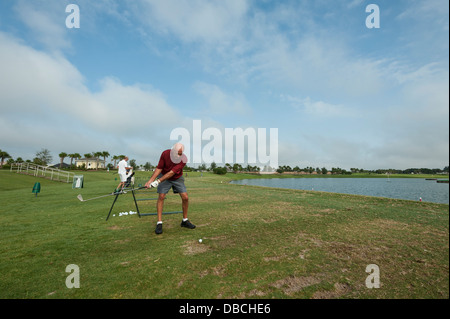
(400, 188)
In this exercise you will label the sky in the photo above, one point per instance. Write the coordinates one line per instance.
(339, 93)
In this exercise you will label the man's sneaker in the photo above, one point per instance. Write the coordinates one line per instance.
(158, 229)
(187, 224)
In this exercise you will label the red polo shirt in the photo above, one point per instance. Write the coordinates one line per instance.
(166, 164)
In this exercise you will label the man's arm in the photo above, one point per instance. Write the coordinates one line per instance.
(162, 179)
(154, 176)
(166, 176)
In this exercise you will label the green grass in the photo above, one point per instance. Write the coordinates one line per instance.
(257, 243)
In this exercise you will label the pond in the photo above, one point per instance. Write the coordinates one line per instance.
(400, 188)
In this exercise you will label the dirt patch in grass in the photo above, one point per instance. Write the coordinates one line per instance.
(115, 227)
(219, 271)
(255, 293)
(193, 247)
(340, 289)
(292, 284)
(387, 224)
(274, 258)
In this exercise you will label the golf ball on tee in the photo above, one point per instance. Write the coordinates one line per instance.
(200, 240)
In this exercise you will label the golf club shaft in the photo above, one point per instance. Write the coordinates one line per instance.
(115, 193)
(85, 200)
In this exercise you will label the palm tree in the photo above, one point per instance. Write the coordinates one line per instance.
(97, 155)
(3, 155)
(115, 158)
(62, 156)
(237, 168)
(105, 154)
(73, 156)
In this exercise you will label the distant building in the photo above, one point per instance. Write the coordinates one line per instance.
(90, 163)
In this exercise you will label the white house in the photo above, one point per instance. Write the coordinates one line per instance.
(90, 163)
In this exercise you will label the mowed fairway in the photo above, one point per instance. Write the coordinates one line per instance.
(257, 243)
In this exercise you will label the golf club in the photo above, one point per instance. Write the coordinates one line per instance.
(115, 193)
(85, 200)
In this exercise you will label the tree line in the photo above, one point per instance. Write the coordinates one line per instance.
(340, 171)
(311, 170)
(44, 158)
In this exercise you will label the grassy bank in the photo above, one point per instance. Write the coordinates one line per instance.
(257, 243)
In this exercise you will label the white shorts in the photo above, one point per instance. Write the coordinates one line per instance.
(123, 177)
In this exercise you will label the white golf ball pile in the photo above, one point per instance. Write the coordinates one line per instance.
(126, 213)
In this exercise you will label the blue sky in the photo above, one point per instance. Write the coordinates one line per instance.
(340, 94)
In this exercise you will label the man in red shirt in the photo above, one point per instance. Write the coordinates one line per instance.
(169, 174)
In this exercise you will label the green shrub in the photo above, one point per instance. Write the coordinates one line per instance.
(220, 170)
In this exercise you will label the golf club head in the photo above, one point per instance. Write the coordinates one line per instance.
(80, 197)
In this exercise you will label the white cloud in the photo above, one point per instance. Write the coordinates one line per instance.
(45, 22)
(44, 101)
(355, 3)
(317, 108)
(193, 20)
(434, 11)
(129, 108)
(320, 66)
(33, 77)
(245, 44)
(220, 102)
